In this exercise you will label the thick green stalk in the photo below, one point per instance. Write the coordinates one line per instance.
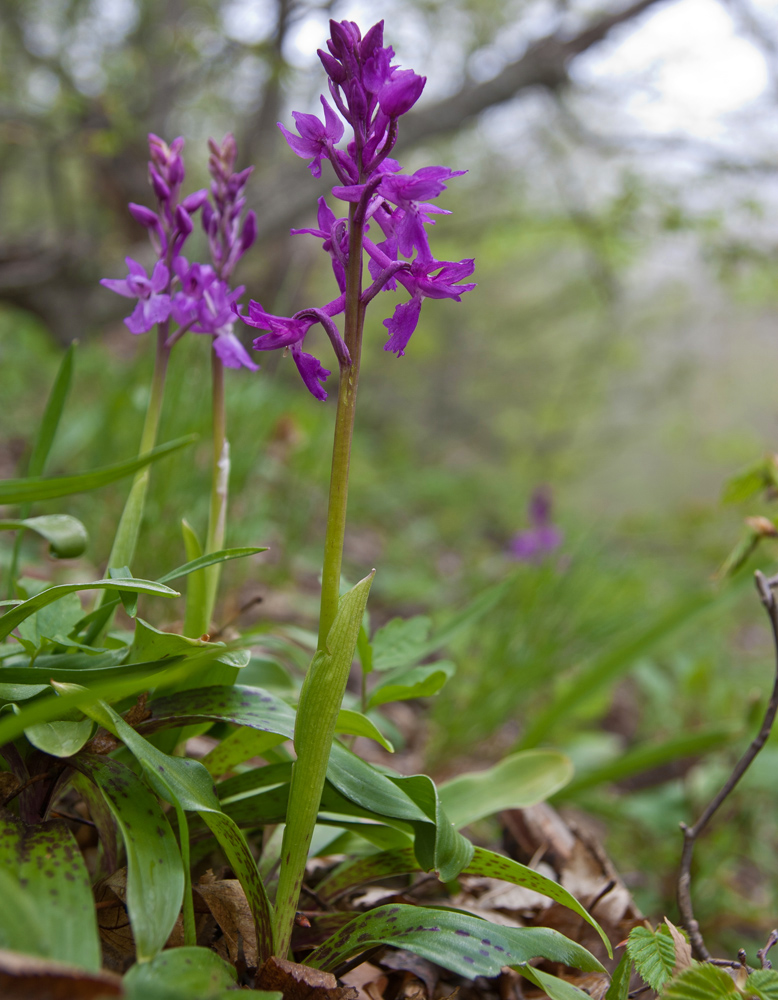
(344, 431)
(217, 519)
(325, 682)
(126, 537)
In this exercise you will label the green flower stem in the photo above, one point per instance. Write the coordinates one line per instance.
(217, 519)
(126, 537)
(322, 692)
(344, 431)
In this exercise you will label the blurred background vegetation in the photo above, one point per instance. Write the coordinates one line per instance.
(620, 349)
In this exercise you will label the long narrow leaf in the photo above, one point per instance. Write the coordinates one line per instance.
(12, 618)
(40, 488)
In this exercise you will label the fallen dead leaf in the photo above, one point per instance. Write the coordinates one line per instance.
(683, 950)
(230, 909)
(300, 982)
(368, 980)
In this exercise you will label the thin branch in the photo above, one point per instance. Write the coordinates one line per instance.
(690, 834)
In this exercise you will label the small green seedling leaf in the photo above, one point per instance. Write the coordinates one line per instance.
(151, 643)
(188, 973)
(400, 643)
(415, 682)
(66, 535)
(653, 953)
(459, 942)
(61, 738)
(520, 780)
(355, 724)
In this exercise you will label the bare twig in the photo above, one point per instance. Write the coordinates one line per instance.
(690, 834)
(762, 953)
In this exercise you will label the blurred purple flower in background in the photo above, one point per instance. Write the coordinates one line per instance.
(544, 537)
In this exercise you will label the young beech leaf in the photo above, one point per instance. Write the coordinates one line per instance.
(703, 982)
(763, 984)
(459, 942)
(653, 953)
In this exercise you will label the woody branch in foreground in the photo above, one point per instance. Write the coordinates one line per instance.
(766, 587)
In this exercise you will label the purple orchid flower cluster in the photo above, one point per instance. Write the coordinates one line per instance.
(196, 297)
(544, 537)
(370, 94)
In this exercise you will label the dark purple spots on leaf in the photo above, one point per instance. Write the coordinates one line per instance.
(364, 937)
(463, 933)
(160, 832)
(483, 951)
(70, 876)
(160, 768)
(468, 959)
(498, 947)
(485, 941)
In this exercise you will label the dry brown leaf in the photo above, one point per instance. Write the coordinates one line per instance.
(113, 923)
(368, 980)
(230, 909)
(683, 950)
(28, 977)
(300, 982)
(426, 971)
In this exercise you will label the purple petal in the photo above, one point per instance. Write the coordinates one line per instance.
(120, 286)
(401, 93)
(159, 277)
(311, 372)
(401, 325)
(232, 353)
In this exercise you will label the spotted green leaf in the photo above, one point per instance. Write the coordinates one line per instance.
(155, 877)
(46, 863)
(459, 942)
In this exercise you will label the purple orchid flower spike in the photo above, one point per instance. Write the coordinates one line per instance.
(544, 537)
(369, 92)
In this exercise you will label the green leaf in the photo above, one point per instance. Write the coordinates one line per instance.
(195, 586)
(211, 559)
(459, 942)
(60, 738)
(12, 618)
(356, 724)
(55, 404)
(240, 745)
(155, 877)
(188, 784)
(402, 861)
(150, 643)
(127, 597)
(653, 954)
(53, 623)
(518, 781)
(367, 787)
(39, 488)
(438, 845)
(554, 987)
(703, 982)
(417, 682)
(20, 929)
(46, 862)
(400, 643)
(751, 480)
(243, 706)
(188, 973)
(764, 984)
(66, 535)
(619, 985)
